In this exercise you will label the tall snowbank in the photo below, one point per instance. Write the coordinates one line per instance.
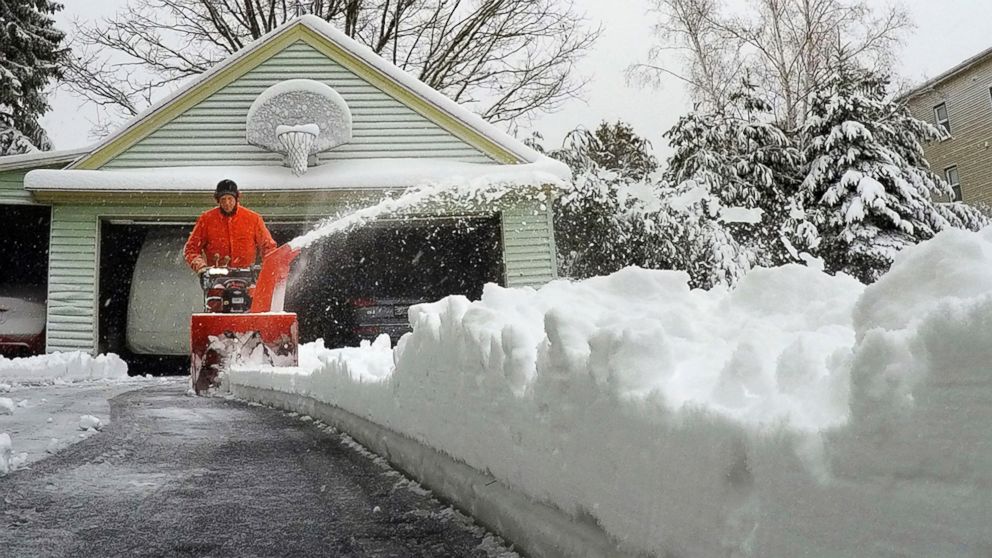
(796, 415)
(62, 367)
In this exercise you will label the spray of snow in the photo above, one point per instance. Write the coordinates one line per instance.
(796, 413)
(485, 191)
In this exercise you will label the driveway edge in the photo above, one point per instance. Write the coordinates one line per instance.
(534, 529)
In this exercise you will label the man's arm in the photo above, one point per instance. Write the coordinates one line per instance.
(193, 251)
(263, 239)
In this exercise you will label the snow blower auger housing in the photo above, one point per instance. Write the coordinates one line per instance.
(243, 319)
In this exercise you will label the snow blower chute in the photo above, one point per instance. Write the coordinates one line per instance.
(243, 319)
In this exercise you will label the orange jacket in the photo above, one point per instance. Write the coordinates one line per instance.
(241, 236)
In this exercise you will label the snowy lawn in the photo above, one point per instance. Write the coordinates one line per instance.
(49, 402)
(798, 414)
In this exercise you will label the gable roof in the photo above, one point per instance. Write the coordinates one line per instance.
(358, 58)
(963, 66)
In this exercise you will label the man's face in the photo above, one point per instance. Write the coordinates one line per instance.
(227, 203)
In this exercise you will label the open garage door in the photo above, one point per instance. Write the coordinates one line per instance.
(356, 286)
(147, 293)
(24, 279)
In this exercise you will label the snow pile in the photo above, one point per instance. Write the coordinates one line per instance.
(797, 413)
(87, 422)
(62, 367)
(9, 460)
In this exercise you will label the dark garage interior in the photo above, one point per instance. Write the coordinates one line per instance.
(24, 252)
(416, 259)
(24, 267)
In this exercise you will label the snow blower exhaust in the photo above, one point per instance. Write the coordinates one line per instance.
(243, 319)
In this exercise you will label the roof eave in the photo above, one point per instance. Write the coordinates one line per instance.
(41, 158)
(962, 67)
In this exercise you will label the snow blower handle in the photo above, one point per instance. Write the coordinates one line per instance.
(270, 290)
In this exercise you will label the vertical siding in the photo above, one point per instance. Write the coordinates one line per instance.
(213, 131)
(12, 188)
(72, 280)
(969, 110)
(528, 245)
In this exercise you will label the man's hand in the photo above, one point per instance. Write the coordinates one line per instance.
(199, 265)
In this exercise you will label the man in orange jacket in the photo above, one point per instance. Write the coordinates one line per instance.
(229, 234)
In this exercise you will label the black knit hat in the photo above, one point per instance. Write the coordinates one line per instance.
(224, 187)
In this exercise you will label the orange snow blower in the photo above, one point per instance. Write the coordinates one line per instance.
(243, 319)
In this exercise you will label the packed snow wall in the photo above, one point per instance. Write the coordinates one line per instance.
(798, 414)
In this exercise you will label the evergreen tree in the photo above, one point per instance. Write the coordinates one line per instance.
(612, 147)
(732, 176)
(599, 224)
(31, 54)
(868, 190)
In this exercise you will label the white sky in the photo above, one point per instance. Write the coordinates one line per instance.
(947, 33)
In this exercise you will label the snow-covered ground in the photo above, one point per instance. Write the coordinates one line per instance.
(798, 414)
(49, 402)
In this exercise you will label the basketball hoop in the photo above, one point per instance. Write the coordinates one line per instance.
(297, 142)
(298, 118)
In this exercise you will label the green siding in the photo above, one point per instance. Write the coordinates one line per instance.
(72, 280)
(12, 188)
(213, 131)
(528, 245)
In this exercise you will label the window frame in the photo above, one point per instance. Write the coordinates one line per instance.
(956, 185)
(944, 124)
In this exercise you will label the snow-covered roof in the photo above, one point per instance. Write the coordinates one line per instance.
(365, 55)
(41, 158)
(334, 175)
(948, 74)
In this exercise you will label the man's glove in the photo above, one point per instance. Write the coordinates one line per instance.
(199, 265)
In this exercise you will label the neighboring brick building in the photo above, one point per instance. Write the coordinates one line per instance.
(960, 101)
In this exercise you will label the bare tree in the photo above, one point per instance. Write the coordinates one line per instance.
(506, 58)
(785, 47)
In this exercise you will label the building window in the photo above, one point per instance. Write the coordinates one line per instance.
(940, 116)
(951, 175)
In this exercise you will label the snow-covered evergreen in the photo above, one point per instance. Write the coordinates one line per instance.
(732, 177)
(850, 188)
(868, 190)
(31, 54)
(600, 222)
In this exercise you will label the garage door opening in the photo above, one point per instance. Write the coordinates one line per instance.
(24, 281)
(147, 293)
(345, 278)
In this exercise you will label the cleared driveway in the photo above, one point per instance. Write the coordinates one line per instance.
(174, 475)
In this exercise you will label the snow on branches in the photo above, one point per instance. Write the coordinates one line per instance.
(845, 191)
(867, 188)
(31, 55)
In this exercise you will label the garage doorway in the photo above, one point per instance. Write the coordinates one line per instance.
(24, 279)
(411, 260)
(147, 293)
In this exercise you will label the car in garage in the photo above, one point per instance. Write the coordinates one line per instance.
(375, 316)
(22, 320)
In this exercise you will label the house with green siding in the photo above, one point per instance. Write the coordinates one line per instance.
(104, 224)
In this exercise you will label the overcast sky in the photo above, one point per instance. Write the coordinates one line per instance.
(947, 32)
